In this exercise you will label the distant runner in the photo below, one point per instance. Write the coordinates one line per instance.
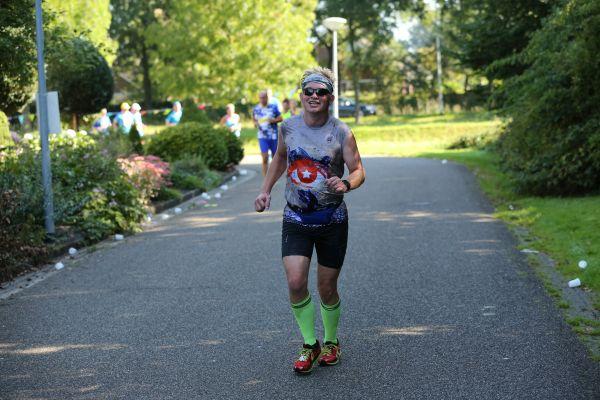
(266, 116)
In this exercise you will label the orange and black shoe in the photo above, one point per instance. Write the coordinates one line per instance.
(331, 354)
(307, 358)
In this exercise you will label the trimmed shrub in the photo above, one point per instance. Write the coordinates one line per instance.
(552, 144)
(235, 150)
(189, 140)
(192, 173)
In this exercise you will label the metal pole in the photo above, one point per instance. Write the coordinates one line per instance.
(336, 112)
(439, 68)
(43, 122)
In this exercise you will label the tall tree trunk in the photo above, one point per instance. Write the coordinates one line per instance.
(146, 74)
(355, 84)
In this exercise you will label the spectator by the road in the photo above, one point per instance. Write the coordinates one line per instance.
(231, 120)
(313, 149)
(266, 116)
(124, 120)
(288, 108)
(102, 124)
(137, 118)
(175, 115)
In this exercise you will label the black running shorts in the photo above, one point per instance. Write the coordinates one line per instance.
(329, 240)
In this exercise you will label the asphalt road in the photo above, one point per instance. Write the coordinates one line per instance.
(437, 304)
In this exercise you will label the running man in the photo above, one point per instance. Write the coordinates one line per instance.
(313, 148)
(266, 116)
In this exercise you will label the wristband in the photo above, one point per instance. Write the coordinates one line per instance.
(345, 182)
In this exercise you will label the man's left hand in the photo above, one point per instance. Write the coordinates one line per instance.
(336, 185)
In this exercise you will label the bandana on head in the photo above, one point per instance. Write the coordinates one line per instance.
(320, 79)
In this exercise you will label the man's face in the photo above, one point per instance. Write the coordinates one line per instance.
(263, 98)
(315, 103)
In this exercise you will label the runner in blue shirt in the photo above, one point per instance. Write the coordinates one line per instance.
(124, 120)
(175, 115)
(266, 116)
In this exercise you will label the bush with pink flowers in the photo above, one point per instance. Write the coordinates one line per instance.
(148, 174)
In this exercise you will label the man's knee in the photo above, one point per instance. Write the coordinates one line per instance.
(265, 157)
(297, 284)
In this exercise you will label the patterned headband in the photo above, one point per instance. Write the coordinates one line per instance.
(320, 79)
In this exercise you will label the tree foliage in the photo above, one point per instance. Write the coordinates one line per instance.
(86, 18)
(490, 34)
(17, 39)
(81, 76)
(369, 26)
(552, 144)
(222, 50)
(129, 26)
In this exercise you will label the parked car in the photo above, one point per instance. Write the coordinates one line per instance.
(347, 108)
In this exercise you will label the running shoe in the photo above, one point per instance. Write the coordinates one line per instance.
(331, 354)
(307, 358)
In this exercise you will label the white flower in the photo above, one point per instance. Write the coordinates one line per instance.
(70, 133)
(28, 136)
(82, 132)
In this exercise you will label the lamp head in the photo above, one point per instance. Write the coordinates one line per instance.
(334, 23)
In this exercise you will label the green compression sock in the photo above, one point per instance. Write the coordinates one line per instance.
(304, 312)
(331, 316)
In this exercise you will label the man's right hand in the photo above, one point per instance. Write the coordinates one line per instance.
(262, 202)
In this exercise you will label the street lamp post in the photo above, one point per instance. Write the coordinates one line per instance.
(334, 24)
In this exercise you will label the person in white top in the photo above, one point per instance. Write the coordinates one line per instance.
(137, 118)
(232, 120)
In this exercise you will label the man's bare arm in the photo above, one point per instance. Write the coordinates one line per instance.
(276, 169)
(353, 161)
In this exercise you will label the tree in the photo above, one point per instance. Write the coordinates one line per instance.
(552, 143)
(223, 50)
(17, 38)
(490, 34)
(369, 26)
(86, 18)
(81, 76)
(129, 28)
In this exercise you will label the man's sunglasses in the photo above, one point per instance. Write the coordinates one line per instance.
(320, 92)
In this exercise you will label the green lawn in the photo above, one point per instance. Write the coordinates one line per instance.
(406, 135)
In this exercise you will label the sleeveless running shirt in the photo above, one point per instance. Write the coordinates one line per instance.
(313, 155)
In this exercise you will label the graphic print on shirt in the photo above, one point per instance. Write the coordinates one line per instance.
(309, 175)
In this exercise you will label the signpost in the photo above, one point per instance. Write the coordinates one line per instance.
(42, 107)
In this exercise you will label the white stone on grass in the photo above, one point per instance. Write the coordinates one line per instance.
(575, 282)
(119, 237)
(59, 266)
(444, 161)
(72, 251)
(178, 210)
(243, 172)
(582, 264)
(205, 196)
(224, 187)
(217, 195)
(529, 251)
(165, 216)
(234, 178)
